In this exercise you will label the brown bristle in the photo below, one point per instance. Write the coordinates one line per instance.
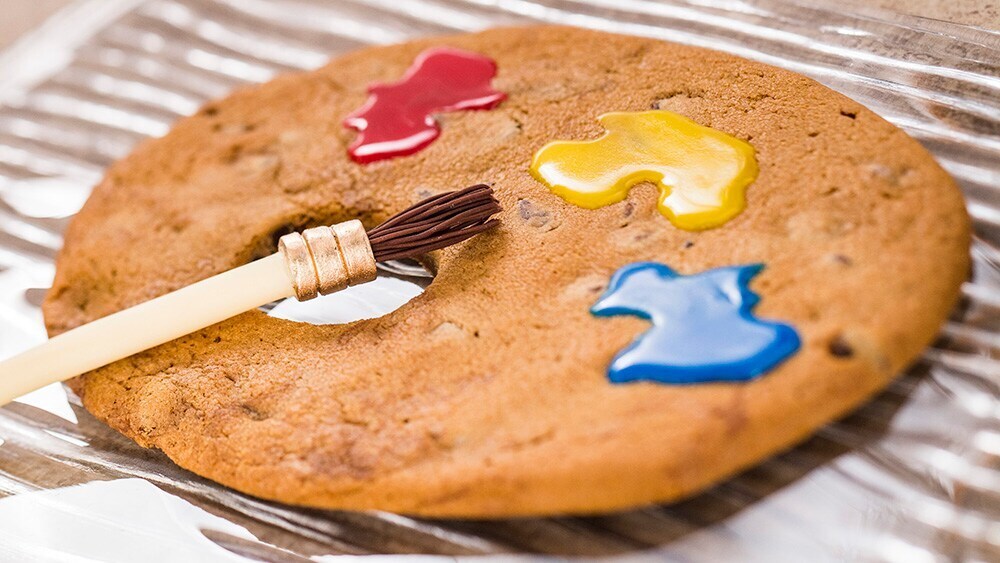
(434, 223)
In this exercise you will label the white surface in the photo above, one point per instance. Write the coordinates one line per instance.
(366, 301)
(46, 198)
(124, 521)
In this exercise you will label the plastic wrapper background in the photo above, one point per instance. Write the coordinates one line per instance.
(912, 476)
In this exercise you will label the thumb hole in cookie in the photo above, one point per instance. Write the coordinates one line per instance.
(398, 282)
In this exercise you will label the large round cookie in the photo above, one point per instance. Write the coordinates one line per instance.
(487, 395)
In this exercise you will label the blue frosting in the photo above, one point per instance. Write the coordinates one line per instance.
(703, 326)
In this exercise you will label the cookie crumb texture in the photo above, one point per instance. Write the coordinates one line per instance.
(487, 395)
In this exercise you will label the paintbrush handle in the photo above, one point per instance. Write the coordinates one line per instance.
(318, 261)
(146, 325)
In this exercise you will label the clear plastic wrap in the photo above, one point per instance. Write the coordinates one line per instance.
(912, 476)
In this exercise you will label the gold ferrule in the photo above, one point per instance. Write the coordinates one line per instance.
(327, 258)
(323, 260)
(356, 251)
(300, 266)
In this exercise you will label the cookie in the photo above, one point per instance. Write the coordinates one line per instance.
(488, 395)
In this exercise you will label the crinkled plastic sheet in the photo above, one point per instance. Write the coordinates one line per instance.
(911, 476)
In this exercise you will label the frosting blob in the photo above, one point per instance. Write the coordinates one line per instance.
(703, 326)
(397, 119)
(702, 173)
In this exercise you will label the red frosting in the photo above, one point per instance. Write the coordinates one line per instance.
(397, 119)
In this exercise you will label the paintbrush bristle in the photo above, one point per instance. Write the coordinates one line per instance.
(434, 223)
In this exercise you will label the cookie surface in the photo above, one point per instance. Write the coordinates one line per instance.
(488, 394)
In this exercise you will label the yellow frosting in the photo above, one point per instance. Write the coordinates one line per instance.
(702, 173)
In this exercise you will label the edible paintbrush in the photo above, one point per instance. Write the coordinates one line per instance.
(317, 261)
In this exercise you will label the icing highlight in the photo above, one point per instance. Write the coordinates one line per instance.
(397, 119)
(703, 329)
(702, 173)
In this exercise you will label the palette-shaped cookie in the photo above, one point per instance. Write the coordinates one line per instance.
(494, 393)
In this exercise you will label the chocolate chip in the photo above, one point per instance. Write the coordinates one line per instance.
(841, 259)
(628, 209)
(839, 348)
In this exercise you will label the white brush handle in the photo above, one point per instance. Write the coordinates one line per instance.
(146, 325)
